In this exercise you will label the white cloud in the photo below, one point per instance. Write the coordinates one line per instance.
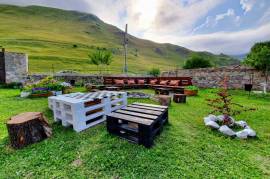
(213, 21)
(226, 42)
(247, 5)
(169, 21)
(266, 17)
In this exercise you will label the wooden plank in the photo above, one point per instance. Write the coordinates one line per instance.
(145, 107)
(145, 111)
(131, 118)
(151, 105)
(137, 114)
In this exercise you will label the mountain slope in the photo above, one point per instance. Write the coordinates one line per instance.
(59, 40)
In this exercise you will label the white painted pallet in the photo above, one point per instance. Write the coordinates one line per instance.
(84, 110)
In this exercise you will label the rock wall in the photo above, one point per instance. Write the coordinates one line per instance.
(72, 78)
(16, 67)
(213, 77)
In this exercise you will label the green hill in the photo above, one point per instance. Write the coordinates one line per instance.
(63, 39)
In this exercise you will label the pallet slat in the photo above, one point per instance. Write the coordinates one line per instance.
(146, 107)
(151, 105)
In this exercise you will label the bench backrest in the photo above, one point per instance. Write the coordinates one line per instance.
(184, 81)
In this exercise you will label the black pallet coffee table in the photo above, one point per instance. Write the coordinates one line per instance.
(139, 123)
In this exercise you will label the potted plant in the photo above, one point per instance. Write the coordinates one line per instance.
(191, 90)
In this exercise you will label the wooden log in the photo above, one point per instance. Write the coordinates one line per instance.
(28, 128)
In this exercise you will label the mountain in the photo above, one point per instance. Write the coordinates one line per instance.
(240, 57)
(58, 40)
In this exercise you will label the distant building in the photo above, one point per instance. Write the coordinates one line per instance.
(13, 67)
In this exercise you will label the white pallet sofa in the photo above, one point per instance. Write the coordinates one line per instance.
(84, 110)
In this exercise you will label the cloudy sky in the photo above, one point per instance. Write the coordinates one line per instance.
(218, 26)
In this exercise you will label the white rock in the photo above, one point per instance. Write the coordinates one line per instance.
(212, 125)
(226, 131)
(220, 118)
(251, 132)
(210, 118)
(242, 124)
(242, 134)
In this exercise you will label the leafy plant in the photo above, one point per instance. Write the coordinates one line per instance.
(259, 58)
(223, 104)
(101, 57)
(192, 87)
(154, 72)
(197, 61)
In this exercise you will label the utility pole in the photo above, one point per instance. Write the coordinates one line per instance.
(125, 69)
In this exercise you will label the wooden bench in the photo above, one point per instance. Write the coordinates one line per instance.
(139, 123)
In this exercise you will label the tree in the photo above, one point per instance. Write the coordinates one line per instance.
(154, 72)
(223, 104)
(196, 61)
(101, 57)
(259, 58)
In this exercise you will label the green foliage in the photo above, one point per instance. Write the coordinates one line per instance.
(192, 87)
(154, 72)
(197, 61)
(259, 58)
(101, 57)
(47, 83)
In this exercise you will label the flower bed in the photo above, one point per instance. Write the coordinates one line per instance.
(44, 88)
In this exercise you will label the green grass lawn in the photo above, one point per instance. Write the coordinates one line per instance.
(185, 149)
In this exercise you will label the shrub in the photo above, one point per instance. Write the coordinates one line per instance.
(197, 61)
(259, 58)
(154, 72)
(192, 88)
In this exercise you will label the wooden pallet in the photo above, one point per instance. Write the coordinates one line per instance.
(139, 123)
(84, 110)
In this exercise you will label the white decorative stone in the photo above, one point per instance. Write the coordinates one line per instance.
(242, 134)
(212, 125)
(226, 131)
(210, 118)
(242, 124)
(220, 118)
(251, 132)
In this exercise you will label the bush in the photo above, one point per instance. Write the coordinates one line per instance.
(192, 88)
(197, 61)
(13, 85)
(154, 72)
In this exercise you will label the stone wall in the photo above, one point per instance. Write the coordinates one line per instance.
(77, 78)
(213, 77)
(16, 67)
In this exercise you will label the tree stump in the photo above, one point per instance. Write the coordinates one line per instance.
(163, 100)
(179, 98)
(28, 128)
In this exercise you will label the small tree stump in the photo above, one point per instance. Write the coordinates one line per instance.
(28, 128)
(163, 100)
(179, 98)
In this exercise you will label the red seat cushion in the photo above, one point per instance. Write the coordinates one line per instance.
(153, 82)
(119, 82)
(131, 82)
(141, 82)
(174, 83)
(164, 82)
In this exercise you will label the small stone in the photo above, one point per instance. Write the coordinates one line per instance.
(242, 134)
(212, 125)
(226, 131)
(77, 163)
(242, 124)
(251, 132)
(210, 118)
(220, 118)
